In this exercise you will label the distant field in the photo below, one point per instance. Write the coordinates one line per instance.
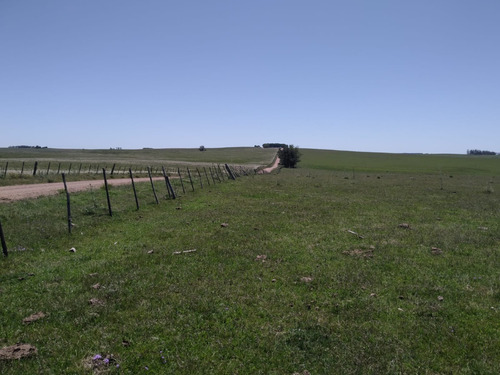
(400, 163)
(250, 156)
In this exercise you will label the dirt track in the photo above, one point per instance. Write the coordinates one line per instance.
(19, 192)
(272, 167)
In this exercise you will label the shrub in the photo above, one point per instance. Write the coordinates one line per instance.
(289, 156)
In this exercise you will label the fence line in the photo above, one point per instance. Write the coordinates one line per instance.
(216, 173)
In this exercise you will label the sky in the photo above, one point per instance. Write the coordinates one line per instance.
(359, 75)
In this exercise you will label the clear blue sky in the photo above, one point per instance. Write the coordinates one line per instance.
(361, 75)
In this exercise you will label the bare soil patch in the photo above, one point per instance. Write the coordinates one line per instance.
(17, 351)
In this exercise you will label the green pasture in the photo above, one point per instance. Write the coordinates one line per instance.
(400, 163)
(317, 270)
(233, 155)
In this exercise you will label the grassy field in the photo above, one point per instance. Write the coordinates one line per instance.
(400, 163)
(233, 155)
(315, 269)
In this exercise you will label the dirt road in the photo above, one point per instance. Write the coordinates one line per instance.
(18, 192)
(272, 167)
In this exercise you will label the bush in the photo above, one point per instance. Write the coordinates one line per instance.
(289, 156)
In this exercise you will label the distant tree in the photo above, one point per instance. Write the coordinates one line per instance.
(289, 156)
(202, 148)
(480, 152)
(274, 145)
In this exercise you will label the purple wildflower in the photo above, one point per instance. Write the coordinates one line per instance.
(96, 357)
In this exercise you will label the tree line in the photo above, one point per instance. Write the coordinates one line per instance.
(480, 152)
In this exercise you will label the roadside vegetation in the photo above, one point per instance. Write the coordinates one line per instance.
(392, 268)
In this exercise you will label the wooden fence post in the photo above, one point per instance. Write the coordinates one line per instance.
(22, 169)
(230, 172)
(35, 168)
(199, 175)
(220, 171)
(69, 169)
(217, 174)
(133, 187)
(107, 191)
(48, 169)
(113, 169)
(80, 168)
(68, 204)
(166, 183)
(2, 239)
(211, 174)
(206, 175)
(190, 179)
(180, 178)
(170, 190)
(58, 168)
(5, 171)
(152, 185)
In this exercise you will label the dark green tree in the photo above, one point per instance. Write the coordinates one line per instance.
(289, 156)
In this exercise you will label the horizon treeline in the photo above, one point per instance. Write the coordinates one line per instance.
(480, 152)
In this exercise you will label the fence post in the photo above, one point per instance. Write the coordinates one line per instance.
(69, 169)
(2, 238)
(68, 204)
(152, 185)
(48, 169)
(170, 190)
(190, 179)
(80, 168)
(221, 171)
(211, 174)
(22, 169)
(113, 169)
(58, 168)
(107, 191)
(216, 171)
(5, 171)
(199, 175)
(180, 178)
(230, 172)
(133, 187)
(206, 175)
(166, 183)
